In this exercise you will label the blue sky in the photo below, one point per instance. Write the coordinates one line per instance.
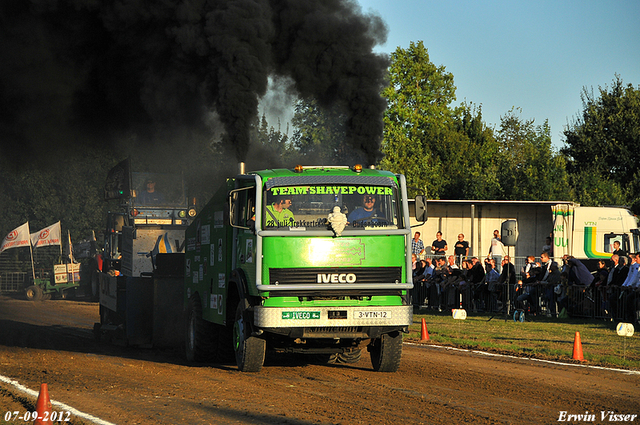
(533, 55)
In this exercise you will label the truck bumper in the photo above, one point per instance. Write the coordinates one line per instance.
(326, 317)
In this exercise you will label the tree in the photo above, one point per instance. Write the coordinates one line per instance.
(602, 143)
(68, 188)
(272, 143)
(591, 189)
(320, 135)
(419, 137)
(475, 175)
(529, 168)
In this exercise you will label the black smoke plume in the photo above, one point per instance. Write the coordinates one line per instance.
(94, 72)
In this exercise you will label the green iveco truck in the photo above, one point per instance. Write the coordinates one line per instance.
(312, 260)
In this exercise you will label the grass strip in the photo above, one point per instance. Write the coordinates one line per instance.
(537, 337)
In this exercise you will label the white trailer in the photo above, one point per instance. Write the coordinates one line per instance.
(584, 232)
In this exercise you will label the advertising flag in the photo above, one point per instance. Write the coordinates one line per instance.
(47, 236)
(562, 226)
(17, 238)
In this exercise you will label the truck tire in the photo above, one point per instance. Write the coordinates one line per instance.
(386, 352)
(198, 338)
(94, 289)
(250, 350)
(34, 293)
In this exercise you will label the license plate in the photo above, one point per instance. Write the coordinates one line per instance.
(363, 314)
(300, 315)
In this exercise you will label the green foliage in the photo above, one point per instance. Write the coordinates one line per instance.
(66, 189)
(272, 145)
(419, 137)
(529, 169)
(475, 174)
(320, 134)
(602, 145)
(593, 189)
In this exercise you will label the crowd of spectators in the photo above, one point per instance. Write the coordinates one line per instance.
(540, 287)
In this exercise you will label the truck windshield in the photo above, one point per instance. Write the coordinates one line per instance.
(366, 207)
(158, 190)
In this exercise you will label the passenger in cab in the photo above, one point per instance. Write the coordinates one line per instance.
(367, 214)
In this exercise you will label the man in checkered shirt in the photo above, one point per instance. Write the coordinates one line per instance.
(417, 247)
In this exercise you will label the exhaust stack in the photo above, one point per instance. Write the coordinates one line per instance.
(241, 167)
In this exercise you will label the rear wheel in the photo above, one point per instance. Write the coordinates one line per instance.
(95, 286)
(198, 343)
(249, 350)
(34, 293)
(386, 352)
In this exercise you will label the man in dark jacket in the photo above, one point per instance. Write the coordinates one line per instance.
(615, 279)
(508, 274)
(619, 272)
(579, 274)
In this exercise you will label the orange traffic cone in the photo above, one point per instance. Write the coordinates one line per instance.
(577, 348)
(43, 405)
(425, 334)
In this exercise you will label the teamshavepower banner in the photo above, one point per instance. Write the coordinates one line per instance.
(17, 238)
(48, 236)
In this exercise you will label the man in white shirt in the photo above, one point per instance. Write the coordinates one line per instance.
(496, 251)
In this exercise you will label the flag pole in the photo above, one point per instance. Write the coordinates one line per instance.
(33, 269)
(73, 278)
(60, 242)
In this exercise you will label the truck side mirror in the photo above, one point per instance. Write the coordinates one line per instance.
(421, 208)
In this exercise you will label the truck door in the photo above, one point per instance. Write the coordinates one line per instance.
(636, 240)
(622, 239)
(243, 220)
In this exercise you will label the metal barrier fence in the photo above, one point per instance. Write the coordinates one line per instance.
(611, 302)
(518, 262)
(15, 267)
(13, 281)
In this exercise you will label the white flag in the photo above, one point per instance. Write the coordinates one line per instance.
(17, 238)
(47, 236)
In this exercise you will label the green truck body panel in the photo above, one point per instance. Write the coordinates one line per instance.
(306, 256)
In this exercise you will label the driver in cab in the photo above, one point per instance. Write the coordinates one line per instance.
(367, 214)
(278, 213)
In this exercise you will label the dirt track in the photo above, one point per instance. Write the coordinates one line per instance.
(52, 342)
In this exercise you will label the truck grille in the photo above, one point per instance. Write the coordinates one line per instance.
(311, 276)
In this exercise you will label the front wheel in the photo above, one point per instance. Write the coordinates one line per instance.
(386, 352)
(34, 293)
(249, 350)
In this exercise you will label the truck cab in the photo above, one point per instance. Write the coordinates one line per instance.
(146, 235)
(314, 260)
